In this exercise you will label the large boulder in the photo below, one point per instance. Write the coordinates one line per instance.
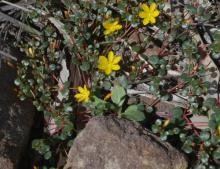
(112, 143)
(16, 119)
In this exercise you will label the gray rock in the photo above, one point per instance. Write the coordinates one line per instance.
(111, 143)
(16, 119)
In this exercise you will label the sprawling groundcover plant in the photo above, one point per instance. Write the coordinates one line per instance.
(92, 56)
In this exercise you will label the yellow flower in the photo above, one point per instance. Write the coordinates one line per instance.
(108, 96)
(111, 26)
(30, 51)
(149, 13)
(166, 123)
(109, 64)
(83, 95)
(66, 14)
(218, 129)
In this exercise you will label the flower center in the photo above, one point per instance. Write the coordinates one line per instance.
(109, 66)
(148, 14)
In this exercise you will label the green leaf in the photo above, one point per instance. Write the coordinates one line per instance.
(204, 157)
(163, 62)
(216, 154)
(35, 144)
(187, 148)
(182, 137)
(155, 128)
(141, 107)
(210, 102)
(216, 35)
(133, 113)
(85, 66)
(118, 93)
(70, 143)
(177, 112)
(216, 109)
(163, 136)
(68, 107)
(185, 77)
(150, 109)
(153, 60)
(136, 48)
(191, 8)
(176, 130)
(107, 85)
(212, 124)
(98, 101)
(215, 117)
(122, 80)
(65, 92)
(121, 102)
(25, 62)
(47, 155)
(215, 139)
(214, 47)
(52, 67)
(204, 136)
(200, 166)
(66, 84)
(17, 82)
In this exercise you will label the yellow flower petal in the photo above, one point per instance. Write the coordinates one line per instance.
(115, 22)
(80, 89)
(77, 96)
(145, 7)
(30, 50)
(115, 67)
(87, 92)
(66, 14)
(152, 7)
(102, 61)
(101, 66)
(86, 99)
(107, 32)
(110, 57)
(106, 24)
(116, 60)
(152, 20)
(108, 96)
(108, 70)
(156, 13)
(166, 123)
(118, 27)
(143, 14)
(146, 21)
(218, 129)
(81, 99)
